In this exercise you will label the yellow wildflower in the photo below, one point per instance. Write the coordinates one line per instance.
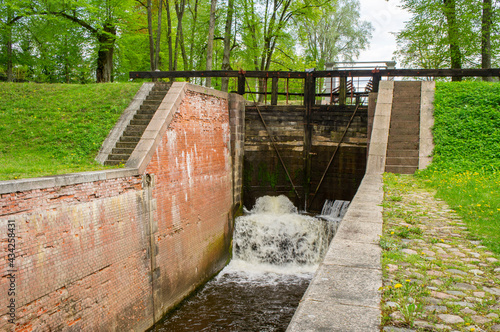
(398, 286)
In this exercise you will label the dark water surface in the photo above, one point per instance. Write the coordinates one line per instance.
(236, 301)
(275, 253)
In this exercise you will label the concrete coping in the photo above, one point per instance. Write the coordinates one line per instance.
(344, 293)
(13, 186)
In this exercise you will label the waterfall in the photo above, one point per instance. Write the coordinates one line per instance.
(276, 251)
(274, 237)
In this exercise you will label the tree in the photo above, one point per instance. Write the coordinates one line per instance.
(486, 36)
(334, 32)
(210, 42)
(227, 44)
(448, 34)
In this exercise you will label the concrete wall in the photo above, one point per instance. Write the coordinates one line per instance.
(114, 250)
(264, 174)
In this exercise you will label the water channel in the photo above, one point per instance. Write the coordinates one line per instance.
(275, 253)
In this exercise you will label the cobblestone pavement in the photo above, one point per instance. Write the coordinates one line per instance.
(436, 276)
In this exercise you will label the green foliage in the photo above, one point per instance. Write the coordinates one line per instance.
(425, 40)
(56, 41)
(466, 166)
(467, 126)
(48, 129)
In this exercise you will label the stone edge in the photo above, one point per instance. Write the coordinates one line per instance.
(426, 144)
(122, 123)
(354, 295)
(13, 186)
(380, 129)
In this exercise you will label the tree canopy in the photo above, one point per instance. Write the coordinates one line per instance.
(450, 34)
(102, 40)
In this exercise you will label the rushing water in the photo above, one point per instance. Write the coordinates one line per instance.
(275, 253)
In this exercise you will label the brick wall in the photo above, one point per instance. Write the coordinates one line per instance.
(78, 248)
(193, 198)
(116, 254)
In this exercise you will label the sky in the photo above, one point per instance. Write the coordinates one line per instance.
(386, 17)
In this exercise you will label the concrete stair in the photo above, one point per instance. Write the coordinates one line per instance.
(133, 133)
(404, 131)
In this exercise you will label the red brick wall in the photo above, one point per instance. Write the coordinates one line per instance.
(81, 262)
(83, 251)
(193, 197)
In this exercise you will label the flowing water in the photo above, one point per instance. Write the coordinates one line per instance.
(275, 253)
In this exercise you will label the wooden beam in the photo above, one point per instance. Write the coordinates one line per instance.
(316, 74)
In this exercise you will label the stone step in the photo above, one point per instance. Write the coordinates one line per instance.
(402, 161)
(403, 137)
(130, 139)
(402, 145)
(113, 162)
(400, 169)
(134, 129)
(126, 145)
(402, 153)
(153, 103)
(415, 116)
(122, 151)
(147, 117)
(405, 124)
(406, 107)
(140, 122)
(147, 110)
(157, 94)
(120, 157)
(162, 86)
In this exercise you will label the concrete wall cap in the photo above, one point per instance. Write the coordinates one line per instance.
(13, 186)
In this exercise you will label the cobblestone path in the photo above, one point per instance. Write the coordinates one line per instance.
(436, 276)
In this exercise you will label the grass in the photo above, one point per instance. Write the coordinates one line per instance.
(466, 166)
(49, 129)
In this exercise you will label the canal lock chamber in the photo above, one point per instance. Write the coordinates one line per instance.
(276, 251)
(316, 164)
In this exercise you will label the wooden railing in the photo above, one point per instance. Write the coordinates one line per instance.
(309, 92)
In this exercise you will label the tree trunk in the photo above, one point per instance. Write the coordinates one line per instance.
(158, 36)
(453, 36)
(179, 10)
(486, 37)
(227, 45)
(210, 43)
(10, 74)
(106, 40)
(169, 38)
(193, 30)
(150, 33)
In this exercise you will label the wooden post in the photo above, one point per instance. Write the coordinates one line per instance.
(309, 101)
(241, 83)
(343, 91)
(376, 82)
(274, 91)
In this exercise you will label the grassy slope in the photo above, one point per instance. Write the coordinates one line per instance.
(466, 166)
(48, 129)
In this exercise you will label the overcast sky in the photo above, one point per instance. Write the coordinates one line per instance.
(386, 17)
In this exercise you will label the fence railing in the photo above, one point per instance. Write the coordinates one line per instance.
(335, 86)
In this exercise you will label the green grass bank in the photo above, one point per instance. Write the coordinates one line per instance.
(466, 167)
(49, 129)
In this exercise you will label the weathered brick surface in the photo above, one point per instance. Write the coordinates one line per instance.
(193, 197)
(78, 248)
